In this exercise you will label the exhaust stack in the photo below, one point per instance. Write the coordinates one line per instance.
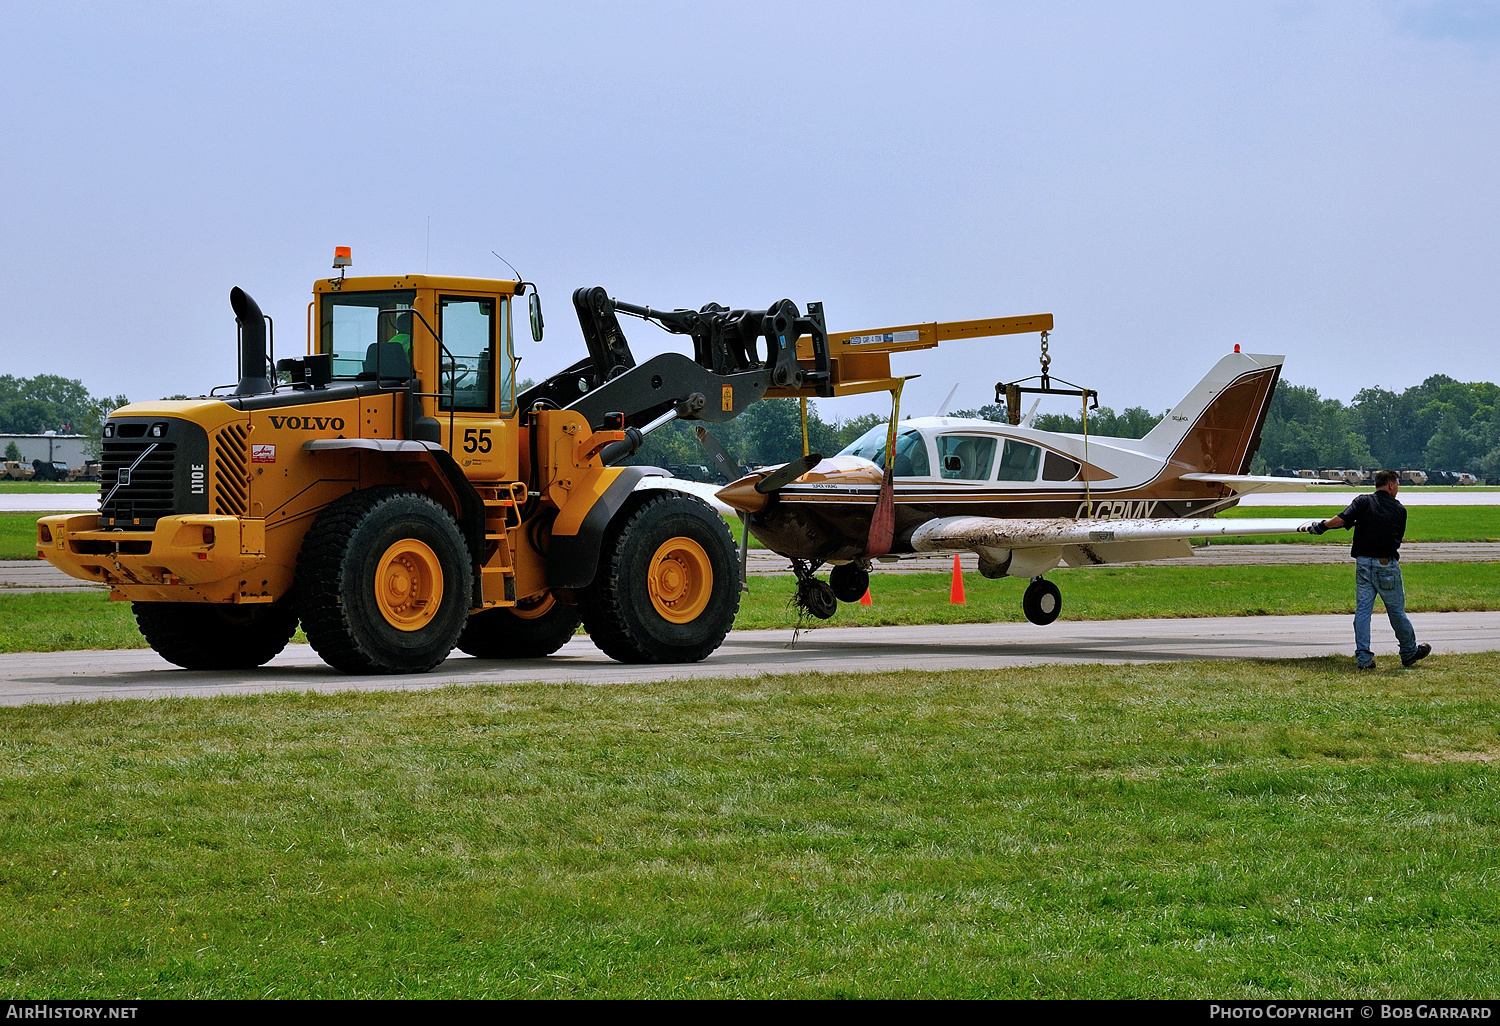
(252, 322)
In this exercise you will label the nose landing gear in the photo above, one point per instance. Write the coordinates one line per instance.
(1042, 602)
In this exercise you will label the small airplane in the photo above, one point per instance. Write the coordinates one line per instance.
(1026, 501)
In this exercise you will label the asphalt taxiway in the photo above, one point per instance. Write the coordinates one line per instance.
(49, 677)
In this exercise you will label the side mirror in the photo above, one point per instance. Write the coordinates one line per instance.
(534, 303)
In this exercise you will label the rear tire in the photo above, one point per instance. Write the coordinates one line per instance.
(204, 636)
(668, 586)
(383, 583)
(520, 633)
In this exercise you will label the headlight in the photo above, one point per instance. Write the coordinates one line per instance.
(109, 429)
(158, 431)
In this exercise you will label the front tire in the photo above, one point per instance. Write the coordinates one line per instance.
(668, 586)
(1042, 602)
(525, 632)
(204, 636)
(383, 582)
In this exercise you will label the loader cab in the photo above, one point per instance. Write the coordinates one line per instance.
(453, 337)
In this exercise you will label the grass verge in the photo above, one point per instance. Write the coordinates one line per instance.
(74, 620)
(1208, 830)
(40, 487)
(1423, 524)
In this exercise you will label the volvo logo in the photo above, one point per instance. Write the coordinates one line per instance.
(308, 423)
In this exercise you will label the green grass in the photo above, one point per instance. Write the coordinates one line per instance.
(39, 487)
(1423, 524)
(74, 620)
(1219, 830)
(18, 535)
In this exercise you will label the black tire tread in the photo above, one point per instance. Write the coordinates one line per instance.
(602, 604)
(199, 636)
(319, 582)
(501, 634)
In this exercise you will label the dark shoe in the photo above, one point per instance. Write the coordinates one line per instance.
(1422, 652)
(1371, 666)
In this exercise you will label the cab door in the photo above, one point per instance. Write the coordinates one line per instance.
(474, 379)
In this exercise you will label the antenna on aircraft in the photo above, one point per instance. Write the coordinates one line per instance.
(942, 410)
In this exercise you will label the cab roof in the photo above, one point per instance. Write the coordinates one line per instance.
(441, 282)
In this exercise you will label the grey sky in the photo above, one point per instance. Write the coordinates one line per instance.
(1169, 179)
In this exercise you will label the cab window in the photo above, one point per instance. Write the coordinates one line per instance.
(466, 377)
(368, 334)
(966, 457)
(1019, 461)
(911, 451)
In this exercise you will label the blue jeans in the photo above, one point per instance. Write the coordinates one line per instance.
(1371, 577)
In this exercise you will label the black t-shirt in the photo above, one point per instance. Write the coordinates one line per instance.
(1379, 523)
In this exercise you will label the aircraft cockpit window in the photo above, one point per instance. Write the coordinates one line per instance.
(1020, 461)
(1059, 468)
(966, 457)
(911, 451)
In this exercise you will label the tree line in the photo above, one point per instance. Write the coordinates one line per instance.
(1441, 424)
(49, 402)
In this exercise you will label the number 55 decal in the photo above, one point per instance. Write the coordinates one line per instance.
(477, 440)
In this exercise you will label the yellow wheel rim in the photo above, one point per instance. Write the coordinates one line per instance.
(532, 609)
(409, 585)
(680, 579)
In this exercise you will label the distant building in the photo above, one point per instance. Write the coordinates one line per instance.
(49, 448)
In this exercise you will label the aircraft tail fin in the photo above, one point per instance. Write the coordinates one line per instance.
(1216, 427)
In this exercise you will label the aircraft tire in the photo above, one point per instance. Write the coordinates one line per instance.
(849, 582)
(520, 633)
(383, 583)
(668, 586)
(1042, 602)
(817, 598)
(211, 636)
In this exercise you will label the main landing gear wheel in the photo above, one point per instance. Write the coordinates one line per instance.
(817, 598)
(1042, 602)
(383, 583)
(849, 582)
(203, 636)
(668, 585)
(532, 630)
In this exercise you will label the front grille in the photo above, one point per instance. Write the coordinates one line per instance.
(150, 488)
(231, 471)
(171, 477)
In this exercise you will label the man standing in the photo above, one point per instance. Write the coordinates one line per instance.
(1379, 523)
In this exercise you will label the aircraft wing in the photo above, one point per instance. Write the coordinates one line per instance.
(1033, 546)
(1244, 484)
(707, 492)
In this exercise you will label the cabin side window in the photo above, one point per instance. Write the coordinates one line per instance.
(1057, 467)
(966, 457)
(1019, 461)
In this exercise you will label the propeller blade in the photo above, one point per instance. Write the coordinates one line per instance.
(728, 467)
(779, 479)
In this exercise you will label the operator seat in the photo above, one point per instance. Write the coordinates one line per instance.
(386, 361)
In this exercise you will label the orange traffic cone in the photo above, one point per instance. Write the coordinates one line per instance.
(865, 599)
(956, 593)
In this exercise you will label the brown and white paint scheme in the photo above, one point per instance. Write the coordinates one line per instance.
(1130, 499)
